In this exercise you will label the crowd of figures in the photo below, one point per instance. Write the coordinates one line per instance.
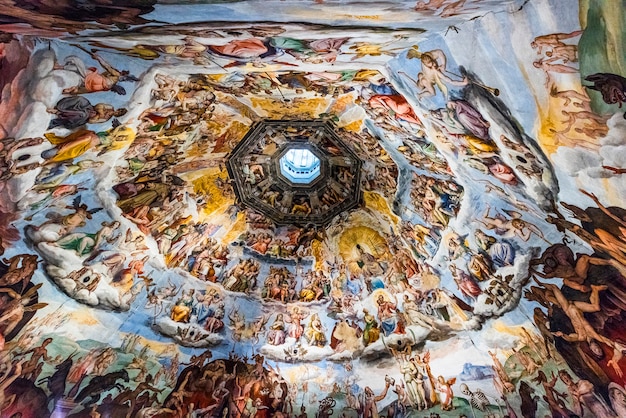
(163, 236)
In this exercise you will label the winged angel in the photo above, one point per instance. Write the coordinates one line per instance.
(434, 73)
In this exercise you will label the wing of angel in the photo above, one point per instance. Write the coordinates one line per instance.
(76, 202)
(451, 381)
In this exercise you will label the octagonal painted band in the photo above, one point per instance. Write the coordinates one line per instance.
(254, 167)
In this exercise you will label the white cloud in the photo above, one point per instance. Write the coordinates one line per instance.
(189, 335)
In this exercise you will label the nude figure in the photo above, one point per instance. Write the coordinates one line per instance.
(560, 138)
(567, 53)
(454, 9)
(433, 74)
(432, 5)
(302, 208)
(573, 117)
(613, 245)
(552, 40)
(569, 95)
(8, 377)
(546, 66)
(583, 330)
(593, 132)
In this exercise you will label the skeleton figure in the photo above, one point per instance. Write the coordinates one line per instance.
(477, 399)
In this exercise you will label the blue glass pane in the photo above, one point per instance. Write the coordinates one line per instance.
(300, 165)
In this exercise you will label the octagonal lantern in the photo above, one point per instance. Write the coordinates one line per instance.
(296, 172)
(300, 165)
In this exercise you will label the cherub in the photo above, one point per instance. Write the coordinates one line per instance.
(433, 72)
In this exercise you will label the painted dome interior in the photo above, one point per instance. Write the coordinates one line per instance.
(313, 208)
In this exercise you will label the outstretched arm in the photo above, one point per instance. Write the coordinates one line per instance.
(523, 233)
(383, 394)
(101, 61)
(448, 80)
(602, 207)
(572, 338)
(563, 36)
(106, 65)
(533, 228)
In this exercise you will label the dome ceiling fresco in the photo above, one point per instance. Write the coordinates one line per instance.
(313, 209)
(295, 172)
